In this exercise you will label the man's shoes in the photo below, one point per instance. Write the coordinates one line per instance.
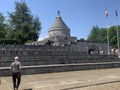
(16, 89)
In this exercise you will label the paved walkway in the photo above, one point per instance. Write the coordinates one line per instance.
(104, 79)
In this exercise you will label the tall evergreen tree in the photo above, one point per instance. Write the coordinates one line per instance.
(25, 26)
(2, 27)
(94, 34)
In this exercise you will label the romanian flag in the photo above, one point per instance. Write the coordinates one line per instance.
(106, 13)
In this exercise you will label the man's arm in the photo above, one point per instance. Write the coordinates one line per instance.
(20, 69)
(11, 68)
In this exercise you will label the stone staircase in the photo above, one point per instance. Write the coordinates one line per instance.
(45, 59)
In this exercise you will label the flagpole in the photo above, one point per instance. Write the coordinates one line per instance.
(108, 40)
(117, 34)
(118, 41)
(106, 13)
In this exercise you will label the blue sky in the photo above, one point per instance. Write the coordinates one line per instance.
(79, 15)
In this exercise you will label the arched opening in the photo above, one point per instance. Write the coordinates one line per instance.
(93, 49)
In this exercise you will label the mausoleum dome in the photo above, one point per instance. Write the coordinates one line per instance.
(59, 28)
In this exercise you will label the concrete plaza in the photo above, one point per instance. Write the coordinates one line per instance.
(102, 79)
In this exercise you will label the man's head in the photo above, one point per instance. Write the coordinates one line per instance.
(16, 58)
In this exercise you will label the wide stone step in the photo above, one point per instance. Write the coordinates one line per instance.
(51, 61)
(37, 69)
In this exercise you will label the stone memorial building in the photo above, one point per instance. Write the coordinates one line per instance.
(59, 35)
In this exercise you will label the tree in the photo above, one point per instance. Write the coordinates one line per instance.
(100, 35)
(103, 34)
(2, 27)
(94, 34)
(112, 36)
(25, 26)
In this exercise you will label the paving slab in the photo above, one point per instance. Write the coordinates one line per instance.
(101, 79)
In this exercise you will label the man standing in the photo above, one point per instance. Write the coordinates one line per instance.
(15, 69)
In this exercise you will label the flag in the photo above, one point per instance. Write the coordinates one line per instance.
(116, 13)
(106, 13)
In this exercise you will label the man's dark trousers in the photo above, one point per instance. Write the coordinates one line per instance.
(16, 76)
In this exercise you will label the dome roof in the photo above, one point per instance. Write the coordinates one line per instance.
(58, 23)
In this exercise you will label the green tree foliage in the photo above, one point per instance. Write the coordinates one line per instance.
(103, 34)
(25, 26)
(113, 35)
(95, 34)
(100, 34)
(2, 27)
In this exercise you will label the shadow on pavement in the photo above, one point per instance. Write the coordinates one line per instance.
(27, 89)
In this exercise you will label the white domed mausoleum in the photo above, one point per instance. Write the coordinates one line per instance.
(59, 35)
(59, 28)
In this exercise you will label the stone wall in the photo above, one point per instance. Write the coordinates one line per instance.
(44, 59)
(84, 46)
(45, 55)
(39, 69)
